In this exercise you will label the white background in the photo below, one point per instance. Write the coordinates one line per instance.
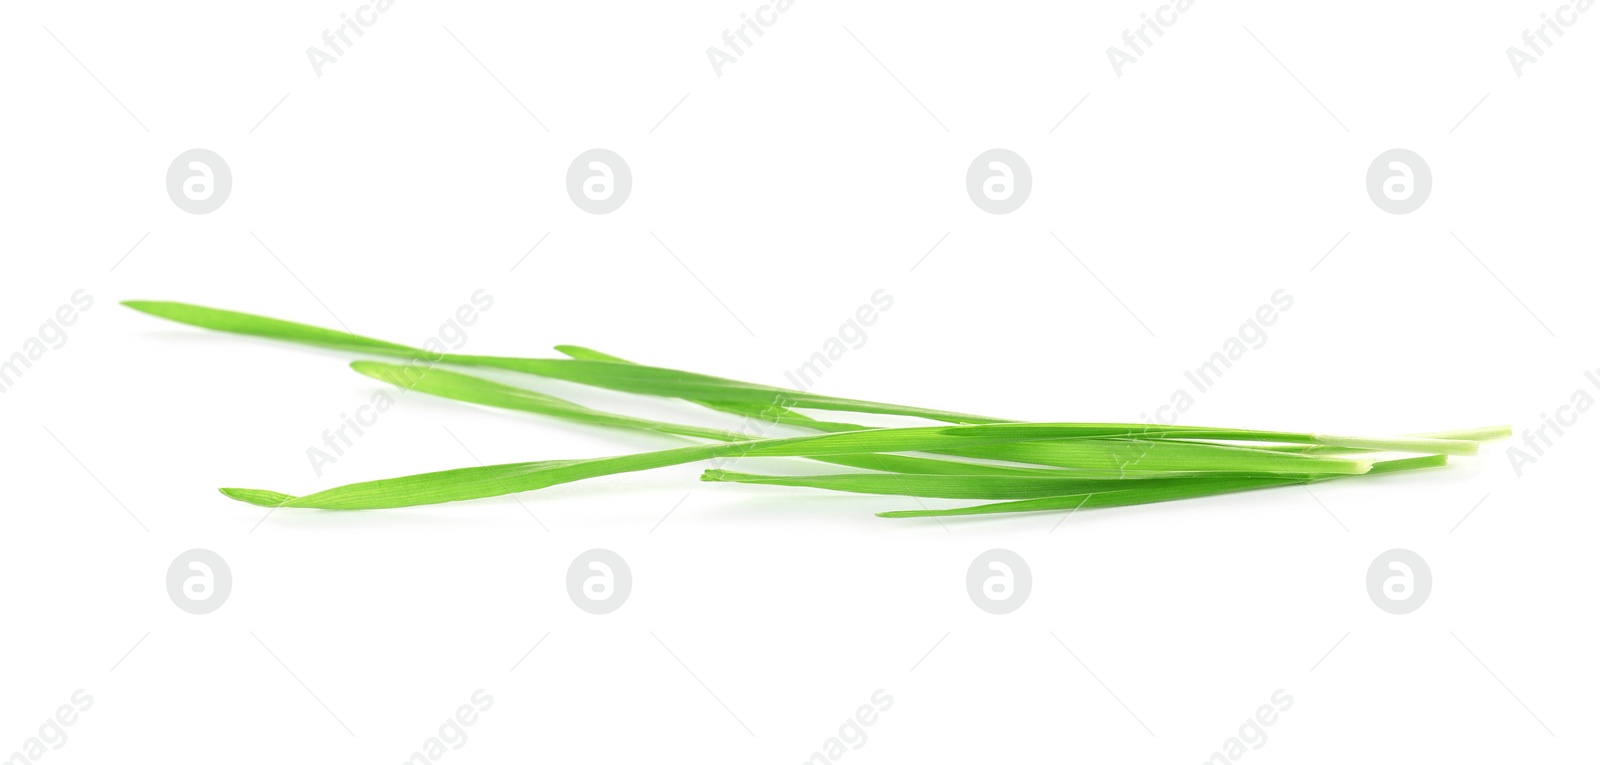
(790, 189)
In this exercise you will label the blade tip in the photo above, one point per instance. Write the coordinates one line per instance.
(257, 497)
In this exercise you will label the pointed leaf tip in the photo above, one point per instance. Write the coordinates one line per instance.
(165, 309)
(258, 497)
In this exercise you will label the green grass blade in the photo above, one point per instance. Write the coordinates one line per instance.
(946, 486)
(272, 329)
(597, 369)
(1490, 433)
(496, 480)
(476, 390)
(1108, 498)
(691, 386)
(1459, 447)
(1293, 442)
(1088, 451)
(1148, 492)
(1480, 435)
(615, 375)
(1013, 486)
(772, 413)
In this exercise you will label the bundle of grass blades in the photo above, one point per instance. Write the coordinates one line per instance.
(1014, 466)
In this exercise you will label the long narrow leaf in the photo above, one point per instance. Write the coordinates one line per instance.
(477, 390)
(622, 376)
(1147, 492)
(1016, 487)
(496, 480)
(593, 368)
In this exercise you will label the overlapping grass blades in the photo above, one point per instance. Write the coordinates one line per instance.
(1027, 466)
(496, 480)
(1025, 487)
(1178, 489)
(602, 373)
